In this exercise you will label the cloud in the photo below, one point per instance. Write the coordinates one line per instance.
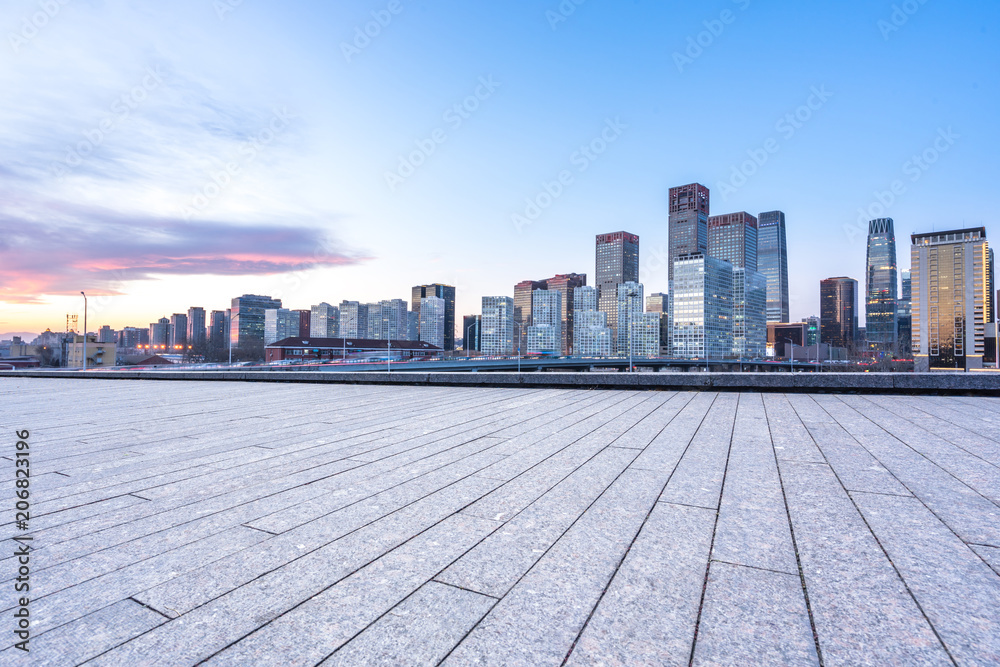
(70, 248)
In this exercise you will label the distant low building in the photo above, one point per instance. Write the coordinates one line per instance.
(99, 355)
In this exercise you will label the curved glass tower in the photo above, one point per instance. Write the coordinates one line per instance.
(881, 290)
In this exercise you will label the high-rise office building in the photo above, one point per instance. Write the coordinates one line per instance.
(432, 309)
(591, 333)
(389, 320)
(353, 319)
(218, 330)
(702, 307)
(565, 284)
(472, 326)
(630, 308)
(305, 323)
(196, 327)
(733, 238)
(659, 302)
(584, 299)
(374, 330)
(688, 223)
(159, 335)
(772, 261)
(617, 262)
(522, 311)
(838, 312)
(106, 334)
(991, 276)
(412, 326)
(279, 324)
(246, 322)
(324, 321)
(498, 325)
(904, 314)
(130, 338)
(749, 300)
(950, 299)
(178, 333)
(881, 290)
(545, 332)
(446, 292)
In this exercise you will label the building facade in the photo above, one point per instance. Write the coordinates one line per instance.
(772, 261)
(813, 336)
(246, 328)
(591, 334)
(279, 324)
(904, 314)
(838, 312)
(432, 327)
(498, 325)
(629, 306)
(733, 238)
(951, 305)
(178, 332)
(749, 313)
(687, 223)
(196, 329)
(881, 291)
(617, 262)
(353, 319)
(324, 321)
(522, 311)
(218, 329)
(545, 332)
(472, 326)
(566, 284)
(446, 292)
(659, 303)
(702, 308)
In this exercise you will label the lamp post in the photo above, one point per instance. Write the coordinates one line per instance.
(517, 325)
(84, 331)
(791, 354)
(631, 295)
(467, 329)
(388, 357)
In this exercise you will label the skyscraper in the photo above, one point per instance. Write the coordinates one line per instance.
(702, 307)
(565, 284)
(392, 320)
(772, 261)
(522, 311)
(324, 321)
(617, 262)
(279, 324)
(353, 319)
(950, 301)
(178, 332)
(749, 313)
(196, 328)
(838, 312)
(246, 323)
(812, 330)
(218, 330)
(432, 309)
(305, 323)
(659, 302)
(733, 238)
(881, 289)
(159, 335)
(591, 334)
(446, 292)
(629, 304)
(904, 318)
(688, 223)
(545, 332)
(472, 326)
(498, 325)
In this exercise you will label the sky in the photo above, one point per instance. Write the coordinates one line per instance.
(161, 156)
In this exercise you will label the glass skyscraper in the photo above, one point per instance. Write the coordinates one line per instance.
(838, 312)
(246, 322)
(881, 291)
(446, 292)
(772, 261)
(687, 228)
(498, 325)
(545, 332)
(617, 262)
(733, 238)
(702, 308)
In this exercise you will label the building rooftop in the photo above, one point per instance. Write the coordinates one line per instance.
(262, 523)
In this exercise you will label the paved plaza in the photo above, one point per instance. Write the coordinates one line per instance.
(175, 523)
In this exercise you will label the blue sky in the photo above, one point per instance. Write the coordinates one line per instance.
(161, 157)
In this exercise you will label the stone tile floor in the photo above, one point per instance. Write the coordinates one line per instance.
(177, 523)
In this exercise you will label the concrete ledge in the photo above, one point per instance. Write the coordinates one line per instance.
(885, 383)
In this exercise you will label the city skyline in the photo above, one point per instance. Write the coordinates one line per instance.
(266, 86)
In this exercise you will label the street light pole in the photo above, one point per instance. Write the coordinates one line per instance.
(467, 329)
(519, 330)
(84, 331)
